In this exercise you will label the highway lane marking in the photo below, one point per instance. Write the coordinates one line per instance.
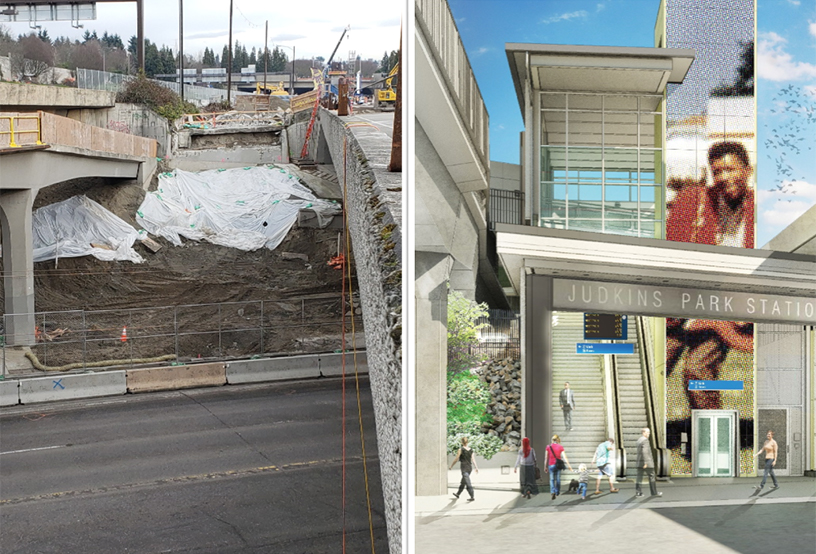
(183, 479)
(34, 449)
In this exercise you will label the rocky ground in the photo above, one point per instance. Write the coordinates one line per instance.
(503, 378)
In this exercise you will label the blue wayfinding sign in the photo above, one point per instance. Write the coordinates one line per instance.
(604, 348)
(715, 385)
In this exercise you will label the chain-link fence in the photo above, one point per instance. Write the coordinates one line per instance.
(197, 332)
(104, 80)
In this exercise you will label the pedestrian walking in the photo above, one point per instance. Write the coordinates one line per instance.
(527, 460)
(645, 464)
(555, 460)
(602, 459)
(583, 477)
(771, 450)
(567, 400)
(467, 463)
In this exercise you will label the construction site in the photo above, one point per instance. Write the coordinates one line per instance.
(208, 248)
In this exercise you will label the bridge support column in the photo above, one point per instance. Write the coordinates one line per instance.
(432, 274)
(18, 265)
(537, 310)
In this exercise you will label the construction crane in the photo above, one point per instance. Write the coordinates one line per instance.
(388, 96)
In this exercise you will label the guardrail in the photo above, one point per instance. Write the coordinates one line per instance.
(7, 128)
(435, 20)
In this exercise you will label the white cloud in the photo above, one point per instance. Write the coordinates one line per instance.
(812, 29)
(565, 17)
(779, 208)
(600, 7)
(775, 64)
(794, 2)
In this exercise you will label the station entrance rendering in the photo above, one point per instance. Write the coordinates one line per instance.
(708, 401)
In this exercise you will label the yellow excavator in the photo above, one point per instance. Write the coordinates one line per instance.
(388, 96)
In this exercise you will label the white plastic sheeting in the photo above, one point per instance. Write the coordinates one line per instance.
(68, 228)
(246, 208)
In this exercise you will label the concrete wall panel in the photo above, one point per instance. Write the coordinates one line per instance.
(67, 387)
(9, 393)
(176, 377)
(331, 365)
(273, 369)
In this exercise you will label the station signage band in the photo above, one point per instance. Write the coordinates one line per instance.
(650, 300)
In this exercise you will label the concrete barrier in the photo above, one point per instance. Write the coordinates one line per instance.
(273, 369)
(9, 393)
(331, 365)
(176, 377)
(66, 387)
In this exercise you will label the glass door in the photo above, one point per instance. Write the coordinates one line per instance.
(715, 443)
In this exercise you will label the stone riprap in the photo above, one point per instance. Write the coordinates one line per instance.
(360, 153)
(503, 379)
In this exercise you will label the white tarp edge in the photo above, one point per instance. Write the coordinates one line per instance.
(246, 208)
(68, 228)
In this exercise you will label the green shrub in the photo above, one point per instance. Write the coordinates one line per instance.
(485, 446)
(463, 324)
(160, 99)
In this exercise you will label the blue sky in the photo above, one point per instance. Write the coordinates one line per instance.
(786, 56)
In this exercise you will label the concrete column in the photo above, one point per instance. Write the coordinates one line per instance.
(432, 273)
(537, 379)
(18, 265)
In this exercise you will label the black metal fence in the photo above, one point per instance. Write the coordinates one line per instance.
(220, 331)
(506, 206)
(499, 339)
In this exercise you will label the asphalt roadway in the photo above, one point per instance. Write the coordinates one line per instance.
(248, 468)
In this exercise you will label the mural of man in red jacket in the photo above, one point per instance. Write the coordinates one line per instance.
(722, 214)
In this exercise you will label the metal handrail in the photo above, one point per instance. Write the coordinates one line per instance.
(11, 132)
(613, 426)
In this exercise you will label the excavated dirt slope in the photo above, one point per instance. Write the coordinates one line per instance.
(303, 297)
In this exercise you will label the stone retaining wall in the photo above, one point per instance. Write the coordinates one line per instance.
(374, 206)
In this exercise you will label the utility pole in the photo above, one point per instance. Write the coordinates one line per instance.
(229, 60)
(292, 92)
(266, 52)
(181, 48)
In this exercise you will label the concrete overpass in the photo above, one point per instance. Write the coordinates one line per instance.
(37, 150)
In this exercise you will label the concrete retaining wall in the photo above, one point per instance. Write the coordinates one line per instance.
(9, 393)
(176, 377)
(24, 96)
(133, 119)
(67, 387)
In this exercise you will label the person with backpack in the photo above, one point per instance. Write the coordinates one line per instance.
(467, 463)
(555, 460)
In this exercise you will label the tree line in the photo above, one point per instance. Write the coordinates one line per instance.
(109, 53)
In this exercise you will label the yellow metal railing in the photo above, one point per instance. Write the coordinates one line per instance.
(11, 132)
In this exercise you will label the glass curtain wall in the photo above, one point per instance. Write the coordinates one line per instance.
(601, 163)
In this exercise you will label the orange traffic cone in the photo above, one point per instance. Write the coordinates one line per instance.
(124, 334)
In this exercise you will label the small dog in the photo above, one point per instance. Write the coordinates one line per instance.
(573, 486)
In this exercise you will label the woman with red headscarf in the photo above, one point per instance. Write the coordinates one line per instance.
(527, 460)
